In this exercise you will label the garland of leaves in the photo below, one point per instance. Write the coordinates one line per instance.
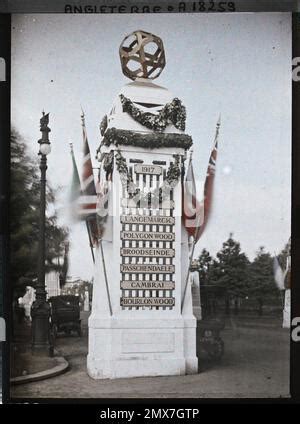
(126, 177)
(147, 141)
(103, 125)
(108, 162)
(157, 194)
(172, 113)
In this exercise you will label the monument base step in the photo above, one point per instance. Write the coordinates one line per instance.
(135, 367)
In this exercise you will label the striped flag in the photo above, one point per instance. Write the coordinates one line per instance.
(88, 198)
(209, 183)
(195, 214)
(192, 209)
(75, 201)
(75, 191)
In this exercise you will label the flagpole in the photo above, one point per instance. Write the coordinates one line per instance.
(86, 221)
(189, 268)
(90, 240)
(198, 229)
(105, 276)
(188, 273)
(190, 258)
(104, 265)
(82, 117)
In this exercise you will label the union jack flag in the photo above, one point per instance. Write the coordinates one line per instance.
(195, 214)
(103, 189)
(88, 197)
(209, 185)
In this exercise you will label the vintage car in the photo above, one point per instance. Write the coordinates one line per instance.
(65, 315)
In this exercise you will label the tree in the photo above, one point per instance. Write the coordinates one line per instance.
(262, 284)
(24, 220)
(204, 261)
(230, 271)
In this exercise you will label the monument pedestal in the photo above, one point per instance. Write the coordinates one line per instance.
(135, 347)
(138, 325)
(137, 338)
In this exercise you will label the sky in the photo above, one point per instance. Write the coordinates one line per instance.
(236, 65)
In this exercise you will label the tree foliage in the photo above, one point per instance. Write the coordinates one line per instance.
(24, 220)
(262, 285)
(240, 278)
(205, 261)
(230, 270)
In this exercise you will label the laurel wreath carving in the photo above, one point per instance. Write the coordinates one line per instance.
(172, 113)
(147, 141)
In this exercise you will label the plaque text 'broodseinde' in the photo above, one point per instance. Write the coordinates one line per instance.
(163, 253)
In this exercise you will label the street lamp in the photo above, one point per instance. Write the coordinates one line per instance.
(40, 310)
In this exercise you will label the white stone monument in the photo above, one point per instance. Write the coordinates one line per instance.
(283, 281)
(138, 325)
(86, 304)
(52, 284)
(27, 301)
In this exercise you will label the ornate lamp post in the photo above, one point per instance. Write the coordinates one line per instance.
(40, 310)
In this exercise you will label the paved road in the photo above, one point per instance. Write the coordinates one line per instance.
(255, 364)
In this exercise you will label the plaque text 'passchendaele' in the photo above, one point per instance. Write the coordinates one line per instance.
(145, 268)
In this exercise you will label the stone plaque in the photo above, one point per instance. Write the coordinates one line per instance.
(148, 169)
(147, 285)
(148, 268)
(147, 235)
(137, 231)
(144, 219)
(147, 301)
(146, 342)
(148, 252)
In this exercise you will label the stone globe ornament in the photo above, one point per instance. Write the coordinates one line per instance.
(142, 55)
